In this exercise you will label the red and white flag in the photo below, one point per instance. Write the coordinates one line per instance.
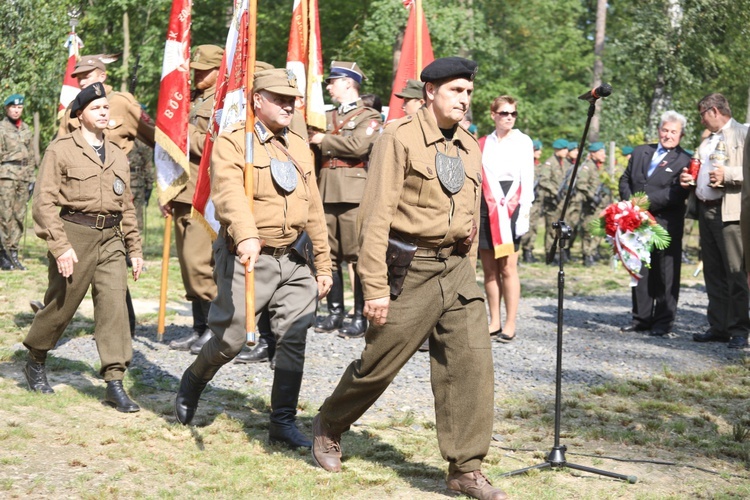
(171, 150)
(407, 64)
(305, 59)
(70, 86)
(229, 108)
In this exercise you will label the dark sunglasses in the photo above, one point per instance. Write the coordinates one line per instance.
(507, 113)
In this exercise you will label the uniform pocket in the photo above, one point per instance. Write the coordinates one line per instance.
(472, 300)
(418, 188)
(84, 183)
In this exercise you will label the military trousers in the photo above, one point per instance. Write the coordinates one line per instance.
(343, 236)
(442, 301)
(528, 240)
(101, 265)
(194, 252)
(14, 195)
(284, 286)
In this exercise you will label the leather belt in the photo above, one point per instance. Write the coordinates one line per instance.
(343, 163)
(440, 253)
(711, 203)
(276, 252)
(94, 221)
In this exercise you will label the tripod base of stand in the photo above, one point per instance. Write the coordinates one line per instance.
(556, 459)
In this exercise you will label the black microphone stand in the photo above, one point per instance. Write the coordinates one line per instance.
(556, 457)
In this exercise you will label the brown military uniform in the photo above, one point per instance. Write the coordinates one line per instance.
(72, 178)
(283, 282)
(17, 167)
(440, 300)
(127, 120)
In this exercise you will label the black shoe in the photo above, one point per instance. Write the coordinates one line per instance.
(658, 332)
(258, 354)
(284, 398)
(528, 257)
(5, 263)
(709, 336)
(186, 402)
(354, 330)
(633, 328)
(185, 343)
(16, 263)
(737, 342)
(330, 323)
(36, 377)
(118, 399)
(36, 305)
(198, 344)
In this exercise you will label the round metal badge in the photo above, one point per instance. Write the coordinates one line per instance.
(118, 186)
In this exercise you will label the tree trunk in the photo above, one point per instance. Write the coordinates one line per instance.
(747, 114)
(125, 51)
(601, 28)
(661, 101)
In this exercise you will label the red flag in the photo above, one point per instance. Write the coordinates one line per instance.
(172, 112)
(229, 108)
(407, 65)
(305, 59)
(70, 86)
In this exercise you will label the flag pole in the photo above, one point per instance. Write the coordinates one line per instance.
(164, 276)
(252, 17)
(418, 17)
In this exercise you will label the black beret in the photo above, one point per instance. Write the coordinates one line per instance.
(85, 96)
(449, 68)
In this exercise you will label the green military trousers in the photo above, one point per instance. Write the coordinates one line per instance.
(442, 301)
(101, 265)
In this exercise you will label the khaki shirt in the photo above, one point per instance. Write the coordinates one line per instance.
(587, 183)
(16, 153)
(551, 176)
(403, 194)
(72, 176)
(358, 128)
(126, 121)
(276, 218)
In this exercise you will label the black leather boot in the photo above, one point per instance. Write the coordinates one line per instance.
(192, 386)
(528, 256)
(198, 344)
(284, 399)
(5, 262)
(357, 328)
(118, 399)
(16, 263)
(258, 354)
(131, 312)
(335, 300)
(185, 343)
(36, 377)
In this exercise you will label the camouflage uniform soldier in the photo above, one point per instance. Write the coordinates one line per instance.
(142, 176)
(529, 239)
(17, 166)
(589, 187)
(550, 180)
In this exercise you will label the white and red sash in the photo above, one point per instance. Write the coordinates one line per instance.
(500, 206)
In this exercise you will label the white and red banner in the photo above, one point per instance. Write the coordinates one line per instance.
(229, 107)
(70, 86)
(416, 42)
(171, 154)
(305, 59)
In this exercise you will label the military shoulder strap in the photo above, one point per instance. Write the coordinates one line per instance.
(338, 126)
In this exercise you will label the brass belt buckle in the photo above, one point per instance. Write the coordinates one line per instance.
(101, 217)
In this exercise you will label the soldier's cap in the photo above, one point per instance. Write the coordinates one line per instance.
(626, 150)
(277, 81)
(91, 93)
(414, 89)
(88, 63)
(537, 144)
(343, 69)
(14, 100)
(206, 57)
(560, 144)
(262, 66)
(596, 146)
(449, 68)
(572, 145)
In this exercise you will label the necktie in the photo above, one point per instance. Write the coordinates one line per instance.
(656, 159)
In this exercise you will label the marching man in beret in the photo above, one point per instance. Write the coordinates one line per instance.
(83, 209)
(424, 189)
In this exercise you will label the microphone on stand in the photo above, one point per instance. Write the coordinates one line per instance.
(592, 95)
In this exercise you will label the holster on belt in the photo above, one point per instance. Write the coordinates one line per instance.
(463, 247)
(303, 248)
(398, 258)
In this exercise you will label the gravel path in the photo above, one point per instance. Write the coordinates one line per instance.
(595, 351)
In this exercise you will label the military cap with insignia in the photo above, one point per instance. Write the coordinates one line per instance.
(414, 89)
(448, 68)
(85, 96)
(343, 69)
(88, 63)
(627, 150)
(596, 146)
(14, 100)
(277, 81)
(206, 57)
(537, 144)
(560, 144)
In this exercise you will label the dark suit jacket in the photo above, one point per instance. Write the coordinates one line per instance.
(663, 188)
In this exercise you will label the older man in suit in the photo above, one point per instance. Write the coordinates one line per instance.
(719, 190)
(655, 170)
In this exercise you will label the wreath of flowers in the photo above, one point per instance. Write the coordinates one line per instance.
(632, 232)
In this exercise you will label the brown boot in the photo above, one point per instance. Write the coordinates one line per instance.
(474, 484)
(326, 448)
